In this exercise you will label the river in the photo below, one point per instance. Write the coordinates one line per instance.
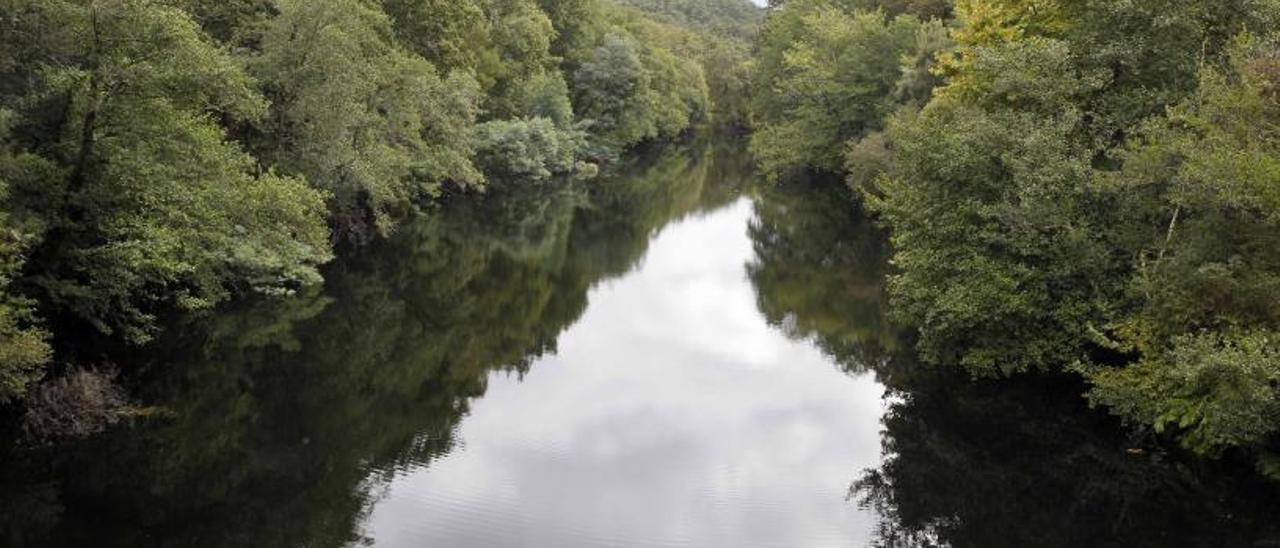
(674, 355)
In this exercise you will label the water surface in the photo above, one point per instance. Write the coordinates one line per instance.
(671, 414)
(676, 355)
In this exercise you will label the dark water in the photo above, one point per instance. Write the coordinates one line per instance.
(675, 356)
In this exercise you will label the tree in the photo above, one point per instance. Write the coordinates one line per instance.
(1076, 198)
(505, 44)
(367, 122)
(528, 149)
(999, 265)
(159, 157)
(1199, 186)
(732, 19)
(140, 201)
(998, 174)
(452, 34)
(24, 348)
(630, 93)
(522, 35)
(826, 77)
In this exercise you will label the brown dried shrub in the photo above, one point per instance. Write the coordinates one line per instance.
(80, 403)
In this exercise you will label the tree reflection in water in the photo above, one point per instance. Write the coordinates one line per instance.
(284, 419)
(1014, 463)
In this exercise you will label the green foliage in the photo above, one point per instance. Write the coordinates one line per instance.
(528, 149)
(991, 272)
(718, 34)
(1087, 186)
(826, 76)
(142, 202)
(1217, 390)
(229, 20)
(630, 92)
(547, 96)
(576, 23)
(995, 219)
(361, 118)
(1144, 55)
(1198, 189)
(920, 65)
(452, 34)
(24, 348)
(165, 156)
(522, 35)
(727, 66)
(732, 18)
(1091, 187)
(609, 84)
(1015, 249)
(503, 43)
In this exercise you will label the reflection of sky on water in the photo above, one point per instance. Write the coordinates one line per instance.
(672, 415)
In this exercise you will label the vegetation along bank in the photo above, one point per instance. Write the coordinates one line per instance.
(160, 157)
(1087, 187)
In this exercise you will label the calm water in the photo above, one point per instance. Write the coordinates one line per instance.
(674, 356)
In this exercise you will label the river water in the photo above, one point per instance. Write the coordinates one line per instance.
(675, 355)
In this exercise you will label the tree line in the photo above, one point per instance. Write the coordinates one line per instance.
(161, 156)
(1081, 187)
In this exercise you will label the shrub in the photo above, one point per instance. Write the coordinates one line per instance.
(531, 149)
(85, 401)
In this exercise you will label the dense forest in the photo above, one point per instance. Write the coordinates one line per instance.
(163, 157)
(1071, 188)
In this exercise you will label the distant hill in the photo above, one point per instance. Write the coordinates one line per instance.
(736, 18)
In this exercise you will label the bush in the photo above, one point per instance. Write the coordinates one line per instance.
(547, 96)
(84, 402)
(532, 149)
